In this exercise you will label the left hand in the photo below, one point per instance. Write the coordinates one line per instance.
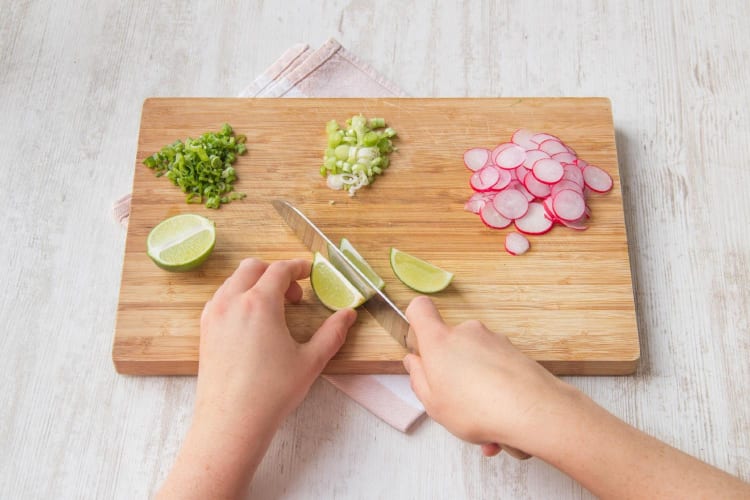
(252, 373)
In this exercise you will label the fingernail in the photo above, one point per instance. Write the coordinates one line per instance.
(351, 317)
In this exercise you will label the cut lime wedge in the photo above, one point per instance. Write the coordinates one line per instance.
(418, 274)
(181, 243)
(331, 287)
(360, 263)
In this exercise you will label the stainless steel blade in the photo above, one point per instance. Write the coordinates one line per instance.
(379, 305)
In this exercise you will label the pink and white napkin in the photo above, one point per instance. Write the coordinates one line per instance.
(333, 71)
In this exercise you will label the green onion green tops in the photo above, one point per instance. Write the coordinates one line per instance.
(202, 167)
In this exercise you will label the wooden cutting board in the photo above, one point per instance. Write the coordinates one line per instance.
(567, 303)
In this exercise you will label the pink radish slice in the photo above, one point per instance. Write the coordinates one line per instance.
(565, 157)
(477, 201)
(552, 146)
(476, 158)
(573, 173)
(510, 158)
(503, 181)
(532, 156)
(499, 149)
(484, 178)
(536, 187)
(565, 184)
(511, 203)
(522, 137)
(540, 138)
(514, 173)
(571, 150)
(516, 244)
(548, 170)
(521, 173)
(534, 222)
(492, 218)
(568, 205)
(581, 163)
(597, 179)
(588, 212)
(520, 187)
(548, 210)
(578, 225)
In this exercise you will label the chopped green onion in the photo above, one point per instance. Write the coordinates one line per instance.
(357, 153)
(202, 167)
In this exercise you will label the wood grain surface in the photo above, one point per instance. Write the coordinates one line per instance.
(567, 303)
(73, 79)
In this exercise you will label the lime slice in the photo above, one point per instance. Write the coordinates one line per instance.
(331, 287)
(182, 242)
(417, 273)
(360, 263)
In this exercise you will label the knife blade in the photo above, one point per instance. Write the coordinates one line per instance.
(387, 314)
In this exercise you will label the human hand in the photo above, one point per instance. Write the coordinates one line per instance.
(252, 373)
(480, 387)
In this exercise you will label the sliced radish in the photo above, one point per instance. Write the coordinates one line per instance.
(578, 225)
(534, 181)
(549, 210)
(492, 218)
(499, 149)
(516, 244)
(573, 173)
(540, 138)
(565, 184)
(532, 156)
(597, 179)
(521, 173)
(511, 157)
(485, 178)
(548, 170)
(476, 158)
(477, 201)
(503, 181)
(522, 137)
(565, 157)
(520, 187)
(534, 222)
(553, 146)
(568, 205)
(536, 187)
(511, 203)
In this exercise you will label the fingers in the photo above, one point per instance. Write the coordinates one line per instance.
(280, 275)
(491, 449)
(414, 367)
(424, 318)
(330, 337)
(244, 277)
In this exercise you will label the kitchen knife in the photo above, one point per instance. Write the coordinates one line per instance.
(379, 305)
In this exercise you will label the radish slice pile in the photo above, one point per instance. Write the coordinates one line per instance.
(532, 182)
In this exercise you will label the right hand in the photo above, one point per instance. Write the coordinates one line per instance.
(481, 388)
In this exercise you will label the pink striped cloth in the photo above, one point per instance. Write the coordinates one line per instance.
(333, 71)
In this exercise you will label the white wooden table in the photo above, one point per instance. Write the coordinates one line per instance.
(72, 79)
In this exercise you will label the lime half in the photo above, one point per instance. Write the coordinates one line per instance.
(331, 287)
(418, 274)
(182, 242)
(360, 263)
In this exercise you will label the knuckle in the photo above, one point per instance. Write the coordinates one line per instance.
(473, 324)
(250, 262)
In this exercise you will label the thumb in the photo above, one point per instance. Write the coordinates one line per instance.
(330, 337)
(418, 378)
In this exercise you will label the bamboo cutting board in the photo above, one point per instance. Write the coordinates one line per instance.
(567, 303)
